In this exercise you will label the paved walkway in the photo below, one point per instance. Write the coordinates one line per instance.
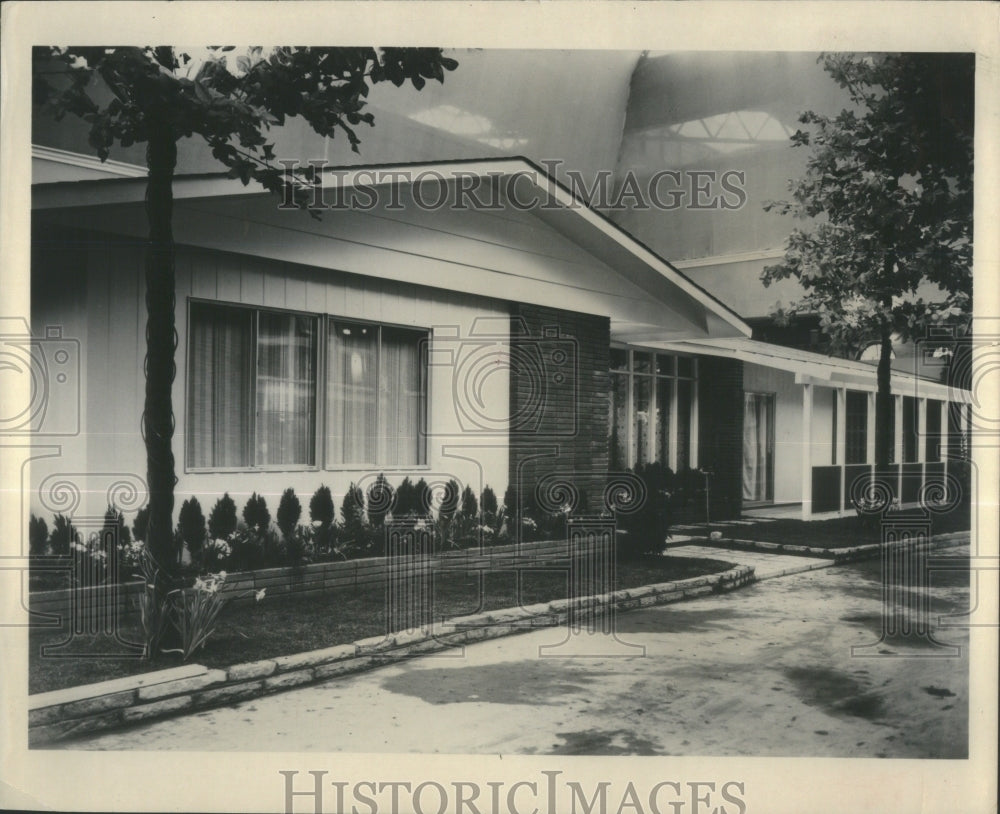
(766, 566)
(767, 670)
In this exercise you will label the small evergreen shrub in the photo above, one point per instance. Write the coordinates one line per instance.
(38, 536)
(255, 513)
(449, 501)
(647, 527)
(289, 512)
(488, 503)
(422, 498)
(222, 521)
(380, 499)
(62, 536)
(352, 510)
(321, 508)
(406, 502)
(469, 504)
(191, 524)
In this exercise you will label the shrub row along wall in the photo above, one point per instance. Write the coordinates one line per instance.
(86, 605)
(61, 714)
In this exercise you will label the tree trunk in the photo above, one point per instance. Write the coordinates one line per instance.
(161, 342)
(884, 408)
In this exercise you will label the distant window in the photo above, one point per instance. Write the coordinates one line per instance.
(856, 428)
(650, 409)
(909, 429)
(932, 439)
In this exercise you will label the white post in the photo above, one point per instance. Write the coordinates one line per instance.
(841, 451)
(807, 410)
(897, 444)
(870, 431)
(922, 441)
(945, 441)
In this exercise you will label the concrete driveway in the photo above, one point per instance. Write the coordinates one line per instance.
(766, 671)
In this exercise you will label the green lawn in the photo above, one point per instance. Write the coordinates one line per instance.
(284, 625)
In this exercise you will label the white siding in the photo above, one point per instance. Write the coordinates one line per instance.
(110, 322)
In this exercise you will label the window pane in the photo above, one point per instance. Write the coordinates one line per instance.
(286, 389)
(640, 439)
(932, 449)
(857, 427)
(642, 362)
(664, 394)
(351, 392)
(619, 359)
(219, 386)
(683, 424)
(664, 365)
(618, 422)
(909, 429)
(401, 390)
(685, 366)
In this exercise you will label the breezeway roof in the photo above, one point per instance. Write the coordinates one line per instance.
(815, 368)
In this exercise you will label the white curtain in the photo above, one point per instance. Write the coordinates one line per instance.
(351, 393)
(756, 445)
(401, 410)
(286, 389)
(219, 380)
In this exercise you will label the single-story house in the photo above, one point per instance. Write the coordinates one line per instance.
(407, 331)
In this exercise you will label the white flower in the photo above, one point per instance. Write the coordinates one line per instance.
(222, 575)
(259, 595)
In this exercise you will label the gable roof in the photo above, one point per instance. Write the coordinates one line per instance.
(557, 207)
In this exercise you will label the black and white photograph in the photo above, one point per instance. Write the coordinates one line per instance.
(478, 408)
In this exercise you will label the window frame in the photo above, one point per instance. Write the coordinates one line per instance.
(673, 375)
(423, 349)
(322, 322)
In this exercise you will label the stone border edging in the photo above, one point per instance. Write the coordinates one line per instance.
(61, 714)
(838, 555)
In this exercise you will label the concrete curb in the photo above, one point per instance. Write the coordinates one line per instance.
(837, 555)
(61, 714)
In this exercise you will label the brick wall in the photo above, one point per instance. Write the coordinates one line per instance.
(559, 402)
(720, 432)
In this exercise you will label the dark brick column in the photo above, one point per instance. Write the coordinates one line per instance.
(720, 432)
(559, 401)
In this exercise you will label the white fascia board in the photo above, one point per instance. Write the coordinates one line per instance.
(110, 167)
(568, 201)
(900, 385)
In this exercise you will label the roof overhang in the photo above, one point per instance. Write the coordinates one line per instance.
(817, 369)
(522, 183)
